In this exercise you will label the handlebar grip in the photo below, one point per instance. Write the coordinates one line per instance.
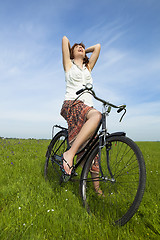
(120, 110)
(79, 91)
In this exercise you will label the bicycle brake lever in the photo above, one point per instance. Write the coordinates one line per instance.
(123, 115)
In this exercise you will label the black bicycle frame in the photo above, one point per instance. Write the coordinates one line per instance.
(99, 140)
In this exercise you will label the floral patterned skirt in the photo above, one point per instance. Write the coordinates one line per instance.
(75, 113)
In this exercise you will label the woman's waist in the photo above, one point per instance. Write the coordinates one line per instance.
(85, 97)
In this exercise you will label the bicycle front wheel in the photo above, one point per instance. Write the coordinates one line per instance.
(58, 145)
(121, 178)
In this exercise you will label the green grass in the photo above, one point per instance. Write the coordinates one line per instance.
(33, 209)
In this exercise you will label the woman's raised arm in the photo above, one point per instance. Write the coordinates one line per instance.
(95, 54)
(66, 53)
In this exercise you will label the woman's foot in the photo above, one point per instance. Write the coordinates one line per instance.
(99, 192)
(67, 163)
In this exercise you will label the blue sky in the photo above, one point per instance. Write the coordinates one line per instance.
(32, 84)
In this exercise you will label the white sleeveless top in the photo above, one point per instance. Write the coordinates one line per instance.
(75, 79)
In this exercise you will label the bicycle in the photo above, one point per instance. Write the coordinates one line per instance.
(122, 172)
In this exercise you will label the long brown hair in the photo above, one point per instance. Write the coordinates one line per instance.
(85, 60)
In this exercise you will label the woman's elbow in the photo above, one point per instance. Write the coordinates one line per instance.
(64, 38)
(98, 45)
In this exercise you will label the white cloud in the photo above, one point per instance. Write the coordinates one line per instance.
(31, 75)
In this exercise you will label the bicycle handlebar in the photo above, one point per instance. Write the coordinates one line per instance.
(90, 90)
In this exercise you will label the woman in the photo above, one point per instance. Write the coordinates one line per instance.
(81, 117)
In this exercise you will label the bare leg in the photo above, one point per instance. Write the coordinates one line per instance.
(93, 119)
(96, 183)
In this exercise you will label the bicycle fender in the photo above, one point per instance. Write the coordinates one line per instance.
(117, 134)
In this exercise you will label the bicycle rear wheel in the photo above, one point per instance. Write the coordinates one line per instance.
(122, 181)
(58, 145)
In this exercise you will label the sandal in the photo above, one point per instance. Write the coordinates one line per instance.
(99, 192)
(62, 167)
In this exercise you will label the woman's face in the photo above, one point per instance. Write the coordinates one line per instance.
(78, 51)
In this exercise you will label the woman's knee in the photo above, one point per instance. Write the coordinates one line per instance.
(94, 114)
(99, 116)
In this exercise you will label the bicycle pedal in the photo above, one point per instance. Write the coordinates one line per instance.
(73, 173)
(65, 178)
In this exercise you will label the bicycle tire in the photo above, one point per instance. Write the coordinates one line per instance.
(57, 146)
(121, 198)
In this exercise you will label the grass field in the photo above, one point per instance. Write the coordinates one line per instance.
(33, 209)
